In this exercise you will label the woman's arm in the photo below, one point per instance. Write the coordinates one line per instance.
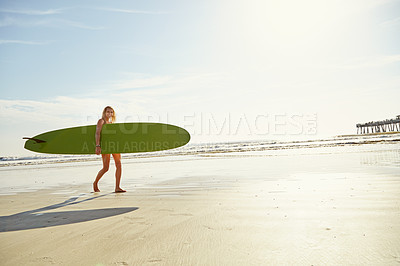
(99, 126)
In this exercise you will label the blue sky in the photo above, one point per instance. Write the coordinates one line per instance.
(225, 70)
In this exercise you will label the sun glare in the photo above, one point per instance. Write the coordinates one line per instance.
(268, 32)
(291, 20)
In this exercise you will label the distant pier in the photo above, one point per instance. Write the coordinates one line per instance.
(388, 125)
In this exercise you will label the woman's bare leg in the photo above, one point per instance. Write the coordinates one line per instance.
(106, 166)
(118, 172)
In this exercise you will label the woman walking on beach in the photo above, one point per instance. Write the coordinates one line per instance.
(108, 117)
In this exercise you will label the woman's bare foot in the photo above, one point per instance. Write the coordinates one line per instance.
(119, 190)
(96, 188)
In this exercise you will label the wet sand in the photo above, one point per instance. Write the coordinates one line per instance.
(320, 207)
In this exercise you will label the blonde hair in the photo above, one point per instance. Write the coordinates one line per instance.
(113, 118)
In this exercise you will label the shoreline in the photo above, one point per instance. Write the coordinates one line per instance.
(199, 149)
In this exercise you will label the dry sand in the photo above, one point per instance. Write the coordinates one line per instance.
(242, 209)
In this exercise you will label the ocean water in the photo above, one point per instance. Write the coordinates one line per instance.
(206, 149)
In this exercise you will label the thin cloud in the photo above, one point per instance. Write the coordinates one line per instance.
(379, 61)
(22, 42)
(32, 12)
(23, 22)
(46, 22)
(132, 11)
(369, 62)
(391, 23)
(80, 25)
(56, 109)
(136, 81)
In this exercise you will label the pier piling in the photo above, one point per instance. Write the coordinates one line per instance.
(388, 125)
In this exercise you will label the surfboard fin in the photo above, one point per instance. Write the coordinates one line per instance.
(37, 140)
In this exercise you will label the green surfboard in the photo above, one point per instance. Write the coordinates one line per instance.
(115, 138)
